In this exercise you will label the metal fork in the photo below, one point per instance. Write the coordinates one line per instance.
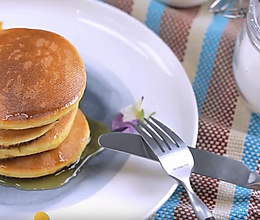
(174, 157)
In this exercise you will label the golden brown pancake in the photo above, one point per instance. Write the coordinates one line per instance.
(51, 161)
(42, 78)
(52, 139)
(12, 137)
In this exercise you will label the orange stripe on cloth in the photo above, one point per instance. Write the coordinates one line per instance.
(122, 4)
(216, 119)
(222, 94)
(218, 113)
(175, 26)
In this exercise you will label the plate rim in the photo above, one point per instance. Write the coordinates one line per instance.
(166, 47)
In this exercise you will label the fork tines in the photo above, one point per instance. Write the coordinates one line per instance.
(162, 134)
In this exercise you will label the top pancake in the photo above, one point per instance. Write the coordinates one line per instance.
(42, 77)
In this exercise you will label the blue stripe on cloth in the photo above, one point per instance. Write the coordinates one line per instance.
(168, 209)
(207, 58)
(154, 16)
(250, 158)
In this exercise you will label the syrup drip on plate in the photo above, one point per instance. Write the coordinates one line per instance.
(63, 176)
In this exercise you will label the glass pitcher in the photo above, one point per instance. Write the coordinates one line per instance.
(246, 61)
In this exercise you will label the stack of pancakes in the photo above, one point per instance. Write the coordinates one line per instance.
(42, 79)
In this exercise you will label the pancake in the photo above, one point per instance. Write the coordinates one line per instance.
(52, 139)
(49, 162)
(42, 78)
(12, 137)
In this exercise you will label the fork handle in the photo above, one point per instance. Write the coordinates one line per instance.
(201, 210)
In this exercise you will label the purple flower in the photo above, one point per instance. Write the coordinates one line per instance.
(119, 125)
(129, 114)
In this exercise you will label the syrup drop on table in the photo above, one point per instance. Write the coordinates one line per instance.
(63, 176)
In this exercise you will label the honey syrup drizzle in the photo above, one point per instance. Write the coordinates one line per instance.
(63, 176)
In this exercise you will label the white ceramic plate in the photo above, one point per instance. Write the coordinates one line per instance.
(124, 61)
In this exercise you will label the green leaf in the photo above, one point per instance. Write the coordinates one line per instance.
(141, 116)
(152, 114)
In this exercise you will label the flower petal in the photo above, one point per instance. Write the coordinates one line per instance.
(129, 113)
(117, 123)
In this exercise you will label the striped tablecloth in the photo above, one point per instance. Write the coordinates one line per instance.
(204, 43)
